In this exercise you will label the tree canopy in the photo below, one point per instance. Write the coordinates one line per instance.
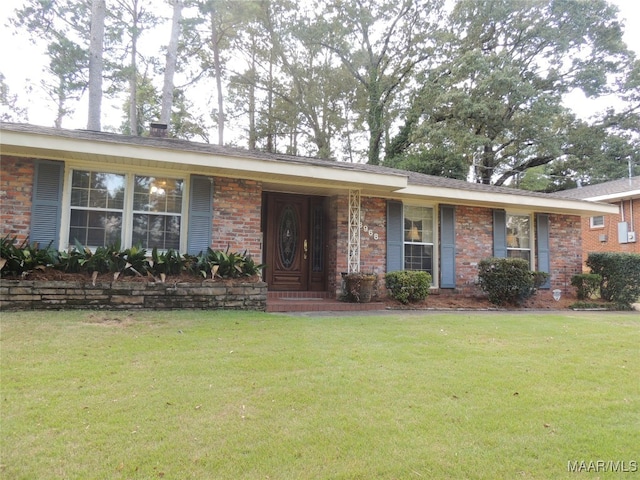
(472, 89)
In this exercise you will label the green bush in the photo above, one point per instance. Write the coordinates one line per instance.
(508, 281)
(586, 284)
(21, 259)
(620, 274)
(408, 286)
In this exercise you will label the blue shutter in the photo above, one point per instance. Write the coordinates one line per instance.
(447, 246)
(46, 205)
(500, 234)
(395, 236)
(544, 256)
(200, 215)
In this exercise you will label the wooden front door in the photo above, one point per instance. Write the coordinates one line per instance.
(291, 249)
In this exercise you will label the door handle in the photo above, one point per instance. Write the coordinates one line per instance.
(306, 249)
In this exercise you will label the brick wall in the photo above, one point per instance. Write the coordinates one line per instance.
(373, 235)
(237, 208)
(474, 242)
(565, 244)
(373, 243)
(591, 236)
(16, 183)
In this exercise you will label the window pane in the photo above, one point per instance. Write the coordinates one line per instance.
(524, 254)
(518, 229)
(418, 224)
(418, 257)
(95, 229)
(161, 231)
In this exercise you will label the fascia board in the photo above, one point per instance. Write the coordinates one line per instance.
(504, 200)
(615, 196)
(246, 167)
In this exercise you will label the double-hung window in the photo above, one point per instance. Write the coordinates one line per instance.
(99, 215)
(157, 207)
(418, 238)
(97, 208)
(519, 236)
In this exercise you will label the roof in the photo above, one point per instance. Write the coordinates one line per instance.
(277, 172)
(615, 190)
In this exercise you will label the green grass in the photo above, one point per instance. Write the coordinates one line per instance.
(230, 395)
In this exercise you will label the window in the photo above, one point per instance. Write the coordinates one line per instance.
(519, 236)
(597, 222)
(98, 216)
(418, 238)
(97, 208)
(157, 207)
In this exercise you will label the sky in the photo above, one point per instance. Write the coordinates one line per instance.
(21, 62)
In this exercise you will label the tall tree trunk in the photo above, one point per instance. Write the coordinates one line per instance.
(96, 46)
(215, 47)
(170, 64)
(133, 75)
(252, 106)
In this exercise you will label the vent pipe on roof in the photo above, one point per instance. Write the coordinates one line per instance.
(158, 130)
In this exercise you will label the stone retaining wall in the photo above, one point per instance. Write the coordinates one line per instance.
(55, 295)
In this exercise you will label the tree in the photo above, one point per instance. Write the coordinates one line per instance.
(380, 42)
(10, 112)
(63, 25)
(171, 63)
(96, 48)
(497, 101)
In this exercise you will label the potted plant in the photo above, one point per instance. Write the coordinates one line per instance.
(359, 287)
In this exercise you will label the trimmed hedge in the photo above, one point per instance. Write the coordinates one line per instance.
(586, 284)
(620, 274)
(508, 280)
(408, 286)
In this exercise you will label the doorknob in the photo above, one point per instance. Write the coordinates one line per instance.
(305, 249)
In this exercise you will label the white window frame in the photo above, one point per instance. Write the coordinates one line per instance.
(531, 246)
(434, 244)
(127, 220)
(592, 222)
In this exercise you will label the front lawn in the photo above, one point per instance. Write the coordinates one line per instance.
(236, 395)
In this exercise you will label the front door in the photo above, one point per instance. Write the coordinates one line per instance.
(291, 249)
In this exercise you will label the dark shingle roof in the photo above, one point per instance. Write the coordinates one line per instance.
(414, 178)
(615, 188)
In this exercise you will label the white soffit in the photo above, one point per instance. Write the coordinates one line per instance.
(506, 200)
(332, 175)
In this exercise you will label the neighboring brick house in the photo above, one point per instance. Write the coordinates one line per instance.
(309, 220)
(614, 232)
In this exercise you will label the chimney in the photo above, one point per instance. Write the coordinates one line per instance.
(158, 130)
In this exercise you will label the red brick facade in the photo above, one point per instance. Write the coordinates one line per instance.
(16, 181)
(605, 238)
(237, 224)
(237, 207)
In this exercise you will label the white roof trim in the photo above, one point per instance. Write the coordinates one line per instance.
(504, 200)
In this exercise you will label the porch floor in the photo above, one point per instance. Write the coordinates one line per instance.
(314, 302)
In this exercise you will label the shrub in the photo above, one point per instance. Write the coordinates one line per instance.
(586, 284)
(408, 286)
(21, 259)
(216, 263)
(620, 274)
(508, 280)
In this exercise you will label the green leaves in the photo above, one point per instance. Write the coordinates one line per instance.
(24, 258)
